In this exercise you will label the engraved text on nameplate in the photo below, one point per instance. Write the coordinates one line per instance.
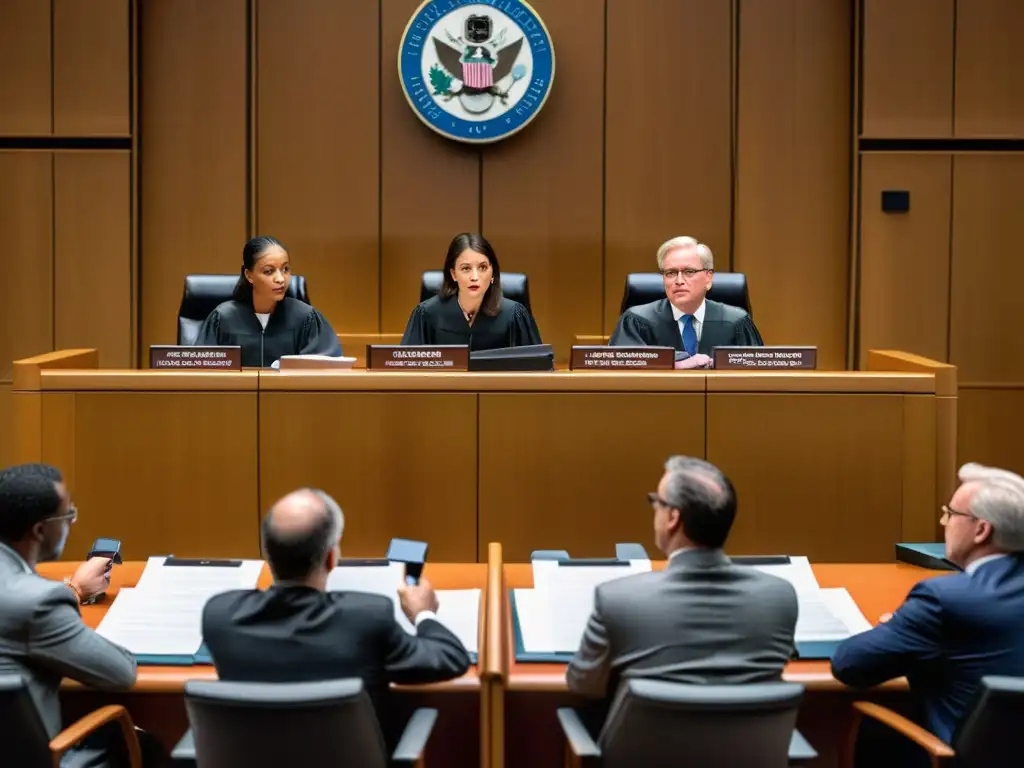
(765, 358)
(443, 357)
(622, 358)
(169, 358)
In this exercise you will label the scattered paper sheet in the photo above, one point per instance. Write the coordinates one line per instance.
(798, 573)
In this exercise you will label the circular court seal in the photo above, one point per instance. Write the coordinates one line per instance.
(476, 71)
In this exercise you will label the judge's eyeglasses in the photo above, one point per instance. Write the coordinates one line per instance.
(948, 513)
(672, 274)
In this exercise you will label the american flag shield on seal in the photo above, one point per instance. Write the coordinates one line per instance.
(477, 74)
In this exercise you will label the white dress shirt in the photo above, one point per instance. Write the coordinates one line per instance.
(972, 567)
(698, 318)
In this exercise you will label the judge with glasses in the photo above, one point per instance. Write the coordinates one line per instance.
(685, 320)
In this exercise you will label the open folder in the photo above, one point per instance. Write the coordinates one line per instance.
(548, 621)
(160, 619)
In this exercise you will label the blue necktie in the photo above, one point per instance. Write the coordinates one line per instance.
(689, 335)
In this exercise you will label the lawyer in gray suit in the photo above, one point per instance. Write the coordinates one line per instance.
(685, 320)
(702, 619)
(42, 636)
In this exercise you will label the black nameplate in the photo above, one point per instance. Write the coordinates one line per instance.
(761, 559)
(195, 561)
(594, 561)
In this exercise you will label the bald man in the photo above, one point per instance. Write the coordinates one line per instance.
(296, 631)
(702, 619)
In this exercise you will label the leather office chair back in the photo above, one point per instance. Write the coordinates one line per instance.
(727, 288)
(988, 737)
(659, 723)
(26, 743)
(203, 293)
(515, 285)
(268, 725)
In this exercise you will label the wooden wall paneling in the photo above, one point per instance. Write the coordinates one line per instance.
(91, 68)
(403, 465)
(193, 151)
(25, 106)
(987, 271)
(92, 254)
(920, 440)
(26, 219)
(57, 430)
(8, 432)
(793, 171)
(904, 258)
(989, 63)
(169, 472)
(990, 425)
(802, 491)
(907, 68)
(565, 443)
(542, 196)
(668, 144)
(317, 153)
(430, 185)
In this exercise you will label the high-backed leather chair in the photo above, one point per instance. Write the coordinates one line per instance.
(515, 285)
(987, 737)
(653, 722)
(26, 743)
(268, 725)
(203, 293)
(727, 287)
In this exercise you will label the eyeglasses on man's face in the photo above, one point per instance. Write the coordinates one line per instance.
(687, 274)
(70, 516)
(948, 513)
(655, 500)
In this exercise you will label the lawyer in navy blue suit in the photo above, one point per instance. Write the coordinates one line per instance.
(952, 630)
(685, 320)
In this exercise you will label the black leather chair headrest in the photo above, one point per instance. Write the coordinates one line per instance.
(644, 287)
(203, 293)
(515, 285)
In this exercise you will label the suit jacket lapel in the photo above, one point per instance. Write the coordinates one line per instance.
(711, 333)
(668, 328)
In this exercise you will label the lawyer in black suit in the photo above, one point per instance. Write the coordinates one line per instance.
(685, 320)
(296, 631)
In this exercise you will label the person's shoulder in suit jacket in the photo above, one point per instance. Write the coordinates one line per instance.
(951, 630)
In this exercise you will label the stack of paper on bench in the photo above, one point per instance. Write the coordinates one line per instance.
(160, 620)
(551, 617)
(458, 609)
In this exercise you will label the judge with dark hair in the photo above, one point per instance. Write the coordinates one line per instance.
(685, 320)
(469, 309)
(261, 318)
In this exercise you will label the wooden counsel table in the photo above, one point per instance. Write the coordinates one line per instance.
(833, 465)
(156, 702)
(532, 693)
(503, 712)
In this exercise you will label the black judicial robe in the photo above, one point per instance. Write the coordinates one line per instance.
(294, 328)
(652, 325)
(440, 321)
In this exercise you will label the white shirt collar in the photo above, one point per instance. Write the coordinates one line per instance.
(679, 551)
(972, 567)
(698, 316)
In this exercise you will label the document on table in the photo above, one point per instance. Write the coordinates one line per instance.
(553, 615)
(458, 609)
(830, 615)
(145, 625)
(163, 614)
(797, 572)
(198, 579)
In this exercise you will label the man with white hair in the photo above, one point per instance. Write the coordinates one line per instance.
(952, 630)
(685, 319)
(296, 631)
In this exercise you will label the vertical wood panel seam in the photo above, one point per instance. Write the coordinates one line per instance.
(604, 172)
(53, 67)
(138, 172)
(952, 75)
(734, 123)
(854, 212)
(133, 208)
(952, 187)
(251, 119)
(380, 166)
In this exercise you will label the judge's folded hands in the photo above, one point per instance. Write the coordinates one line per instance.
(418, 598)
